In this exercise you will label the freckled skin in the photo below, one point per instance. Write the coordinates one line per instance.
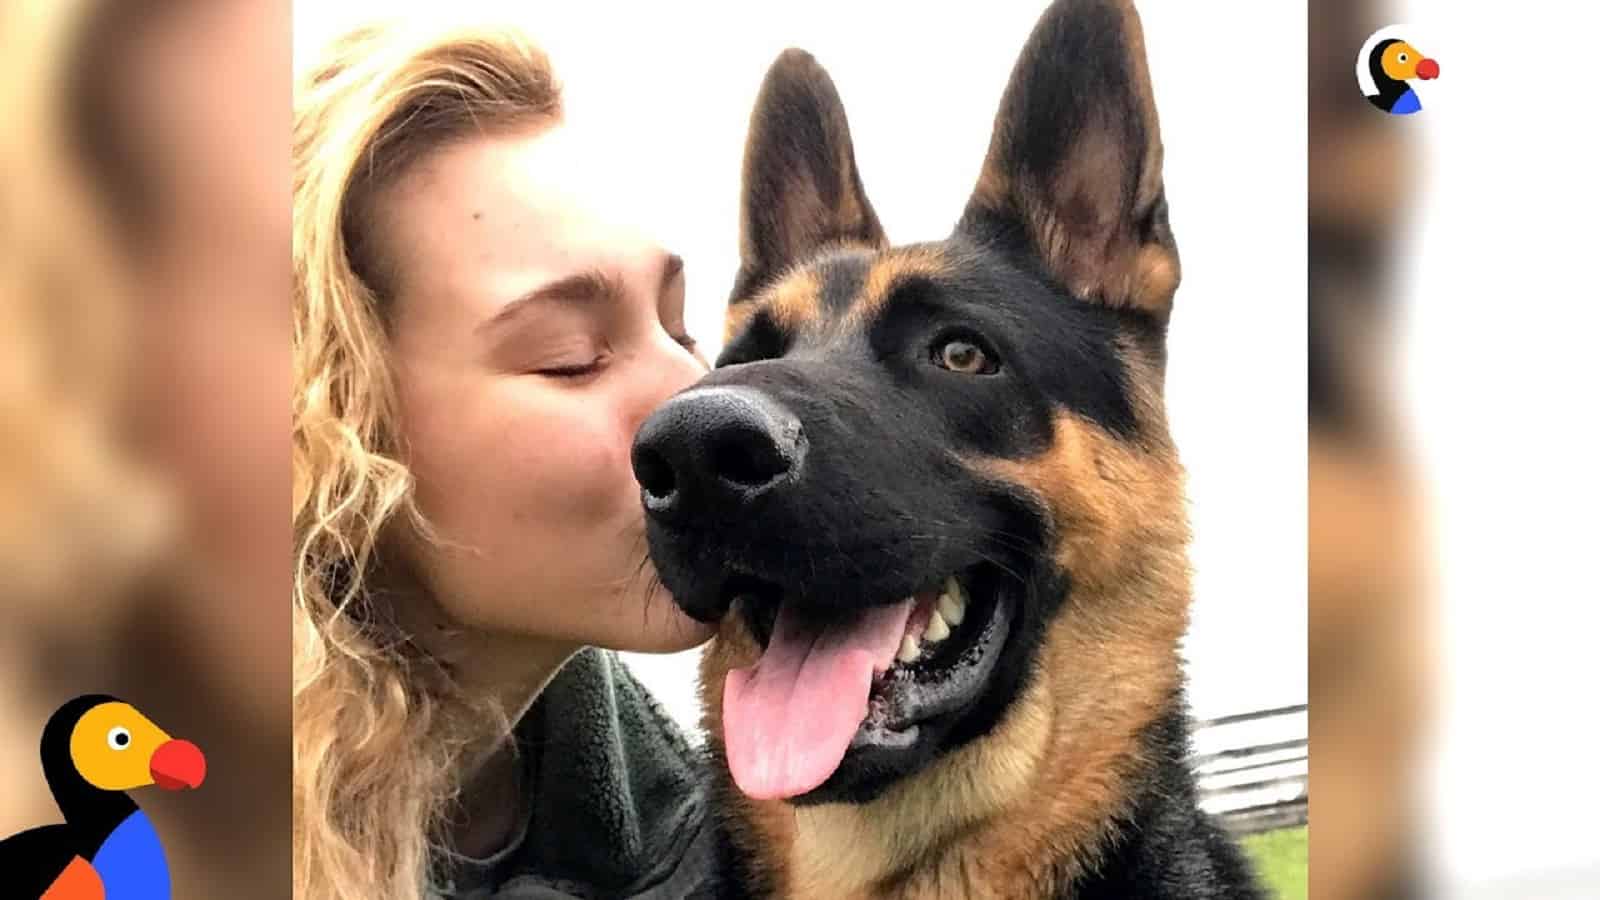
(525, 476)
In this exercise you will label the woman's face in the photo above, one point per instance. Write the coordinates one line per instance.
(532, 334)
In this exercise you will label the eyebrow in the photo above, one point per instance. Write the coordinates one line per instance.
(586, 287)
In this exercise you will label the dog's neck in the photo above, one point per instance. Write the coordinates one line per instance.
(1038, 843)
(1029, 805)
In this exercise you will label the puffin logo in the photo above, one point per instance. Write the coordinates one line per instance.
(1388, 65)
(95, 749)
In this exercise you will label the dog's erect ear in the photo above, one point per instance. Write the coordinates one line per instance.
(802, 190)
(1073, 174)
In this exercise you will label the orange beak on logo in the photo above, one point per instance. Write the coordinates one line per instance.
(177, 765)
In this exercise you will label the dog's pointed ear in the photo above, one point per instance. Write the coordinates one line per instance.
(802, 190)
(1073, 173)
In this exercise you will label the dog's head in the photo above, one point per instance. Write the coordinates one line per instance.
(920, 475)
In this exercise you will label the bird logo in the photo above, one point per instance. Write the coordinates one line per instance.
(1387, 65)
(95, 749)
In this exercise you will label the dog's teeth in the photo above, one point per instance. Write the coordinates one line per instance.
(953, 602)
(909, 651)
(937, 629)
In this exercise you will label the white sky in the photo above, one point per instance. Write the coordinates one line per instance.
(1500, 301)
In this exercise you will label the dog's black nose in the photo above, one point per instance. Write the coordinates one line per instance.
(714, 450)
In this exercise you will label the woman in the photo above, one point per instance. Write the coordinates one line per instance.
(476, 341)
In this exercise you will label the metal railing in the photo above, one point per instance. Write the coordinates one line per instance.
(1253, 769)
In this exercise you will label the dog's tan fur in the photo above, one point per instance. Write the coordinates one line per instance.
(1031, 804)
(792, 303)
(892, 269)
(1043, 786)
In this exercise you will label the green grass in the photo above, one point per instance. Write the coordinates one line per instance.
(1280, 857)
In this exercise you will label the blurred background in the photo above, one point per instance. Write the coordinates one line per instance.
(144, 374)
(1452, 471)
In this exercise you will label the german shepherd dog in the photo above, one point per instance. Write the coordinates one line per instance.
(930, 495)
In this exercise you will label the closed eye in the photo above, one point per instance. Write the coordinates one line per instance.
(576, 371)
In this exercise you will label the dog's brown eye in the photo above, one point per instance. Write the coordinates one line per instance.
(964, 357)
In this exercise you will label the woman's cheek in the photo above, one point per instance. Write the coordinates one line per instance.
(576, 468)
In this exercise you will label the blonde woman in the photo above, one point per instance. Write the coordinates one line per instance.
(476, 341)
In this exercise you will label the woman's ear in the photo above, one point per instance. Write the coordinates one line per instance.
(801, 190)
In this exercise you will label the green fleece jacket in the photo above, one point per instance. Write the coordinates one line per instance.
(617, 805)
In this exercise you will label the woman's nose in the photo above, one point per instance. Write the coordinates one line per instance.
(671, 369)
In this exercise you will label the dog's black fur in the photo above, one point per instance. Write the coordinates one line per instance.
(862, 467)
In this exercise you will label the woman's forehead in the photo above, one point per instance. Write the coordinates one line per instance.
(509, 207)
(560, 168)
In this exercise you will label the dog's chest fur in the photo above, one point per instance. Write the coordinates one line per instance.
(1162, 847)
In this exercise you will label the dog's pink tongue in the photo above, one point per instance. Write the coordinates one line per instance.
(788, 720)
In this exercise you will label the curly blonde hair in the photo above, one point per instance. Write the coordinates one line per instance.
(379, 730)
